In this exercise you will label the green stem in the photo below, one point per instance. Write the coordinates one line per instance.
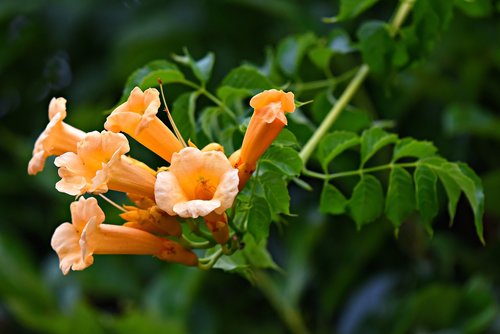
(334, 113)
(312, 85)
(195, 228)
(400, 16)
(195, 244)
(402, 12)
(289, 314)
(357, 171)
(210, 96)
(208, 262)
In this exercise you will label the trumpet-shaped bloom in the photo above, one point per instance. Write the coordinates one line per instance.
(66, 238)
(151, 219)
(57, 138)
(266, 123)
(196, 184)
(99, 164)
(217, 224)
(137, 118)
(76, 243)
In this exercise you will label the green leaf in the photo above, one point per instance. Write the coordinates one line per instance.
(475, 8)
(183, 114)
(320, 56)
(284, 159)
(148, 75)
(209, 121)
(334, 144)
(256, 253)
(373, 140)
(226, 138)
(426, 194)
(430, 18)
(242, 82)
(468, 182)
(286, 138)
(247, 77)
(475, 195)
(409, 147)
(291, 51)
(332, 200)
(367, 201)
(460, 119)
(276, 192)
(400, 201)
(351, 8)
(202, 68)
(259, 218)
(377, 46)
(340, 42)
(452, 190)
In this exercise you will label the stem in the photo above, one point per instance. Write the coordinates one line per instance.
(357, 171)
(195, 228)
(402, 12)
(208, 262)
(112, 203)
(195, 244)
(334, 113)
(211, 97)
(289, 314)
(400, 16)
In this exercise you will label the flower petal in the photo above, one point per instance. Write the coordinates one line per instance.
(227, 190)
(196, 208)
(168, 192)
(65, 242)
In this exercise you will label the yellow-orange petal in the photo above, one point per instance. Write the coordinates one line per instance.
(272, 96)
(66, 238)
(266, 123)
(124, 174)
(65, 243)
(152, 220)
(137, 118)
(217, 224)
(57, 106)
(174, 252)
(213, 147)
(196, 184)
(113, 239)
(57, 138)
(74, 176)
(97, 148)
(100, 165)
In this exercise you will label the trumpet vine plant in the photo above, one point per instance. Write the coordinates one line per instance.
(227, 155)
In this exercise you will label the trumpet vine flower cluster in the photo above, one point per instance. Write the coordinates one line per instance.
(191, 193)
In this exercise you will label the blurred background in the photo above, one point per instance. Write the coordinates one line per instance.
(343, 281)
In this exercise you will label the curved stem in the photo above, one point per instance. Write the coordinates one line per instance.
(400, 16)
(360, 171)
(208, 262)
(195, 244)
(334, 113)
(210, 96)
(402, 12)
(119, 207)
(193, 226)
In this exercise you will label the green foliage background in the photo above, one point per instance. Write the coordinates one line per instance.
(342, 280)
